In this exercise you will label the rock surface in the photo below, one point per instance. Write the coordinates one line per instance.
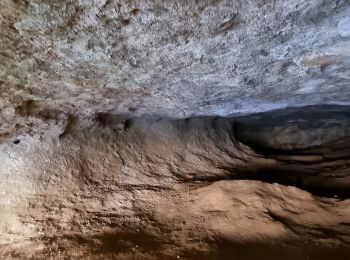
(162, 188)
(130, 129)
(183, 58)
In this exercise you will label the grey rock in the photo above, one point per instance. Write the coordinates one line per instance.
(175, 59)
(344, 27)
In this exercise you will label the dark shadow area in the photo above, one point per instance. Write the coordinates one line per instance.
(311, 145)
(292, 178)
(294, 128)
(286, 250)
(138, 245)
(112, 244)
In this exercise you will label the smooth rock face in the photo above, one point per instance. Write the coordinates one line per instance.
(133, 129)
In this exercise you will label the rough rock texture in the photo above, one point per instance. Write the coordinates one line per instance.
(127, 129)
(176, 58)
(162, 188)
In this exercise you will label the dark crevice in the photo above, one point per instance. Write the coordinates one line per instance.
(16, 141)
(276, 176)
(283, 221)
(310, 148)
(298, 182)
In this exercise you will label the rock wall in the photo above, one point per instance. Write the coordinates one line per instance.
(128, 129)
(195, 188)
